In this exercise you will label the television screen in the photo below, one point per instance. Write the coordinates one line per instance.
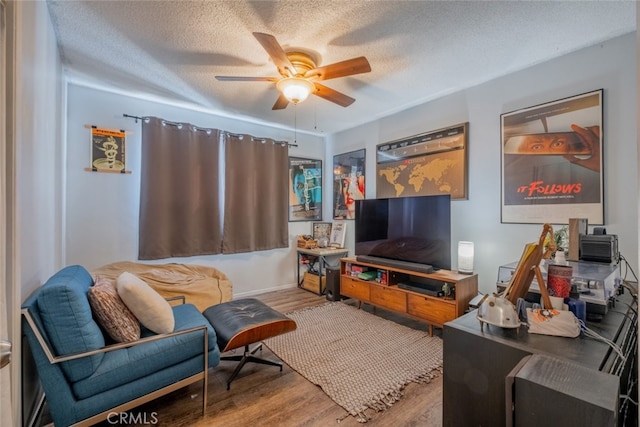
(411, 229)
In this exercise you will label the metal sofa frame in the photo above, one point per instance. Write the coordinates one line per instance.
(203, 376)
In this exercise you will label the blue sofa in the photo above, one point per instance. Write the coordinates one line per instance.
(85, 378)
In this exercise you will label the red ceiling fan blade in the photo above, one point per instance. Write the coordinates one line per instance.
(277, 54)
(281, 103)
(246, 79)
(340, 69)
(333, 95)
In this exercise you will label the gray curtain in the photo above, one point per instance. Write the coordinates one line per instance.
(179, 191)
(256, 197)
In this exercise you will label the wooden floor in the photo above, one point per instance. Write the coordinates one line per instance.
(263, 396)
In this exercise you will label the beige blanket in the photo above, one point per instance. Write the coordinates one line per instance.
(201, 286)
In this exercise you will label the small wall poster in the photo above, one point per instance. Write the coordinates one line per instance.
(107, 150)
(348, 183)
(305, 189)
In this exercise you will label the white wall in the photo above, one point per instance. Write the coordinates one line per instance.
(39, 149)
(102, 208)
(610, 65)
(35, 252)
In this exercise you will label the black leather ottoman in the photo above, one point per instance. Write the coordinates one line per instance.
(246, 321)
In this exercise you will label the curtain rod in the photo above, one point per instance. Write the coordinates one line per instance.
(136, 118)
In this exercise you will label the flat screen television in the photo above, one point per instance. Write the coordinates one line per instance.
(415, 231)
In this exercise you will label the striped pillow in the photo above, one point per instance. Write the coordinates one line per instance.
(111, 312)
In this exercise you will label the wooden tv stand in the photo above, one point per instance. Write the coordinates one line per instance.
(434, 310)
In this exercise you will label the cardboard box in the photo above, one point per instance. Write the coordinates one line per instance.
(311, 282)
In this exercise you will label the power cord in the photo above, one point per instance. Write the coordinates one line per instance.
(628, 269)
(592, 334)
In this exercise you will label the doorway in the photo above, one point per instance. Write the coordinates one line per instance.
(9, 330)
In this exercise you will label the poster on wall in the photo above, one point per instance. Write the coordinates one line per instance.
(552, 167)
(427, 164)
(348, 183)
(107, 150)
(305, 189)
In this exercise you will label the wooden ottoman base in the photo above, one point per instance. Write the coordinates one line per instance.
(242, 322)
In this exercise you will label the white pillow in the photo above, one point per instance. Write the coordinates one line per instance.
(153, 311)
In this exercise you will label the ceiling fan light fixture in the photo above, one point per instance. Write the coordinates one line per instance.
(295, 89)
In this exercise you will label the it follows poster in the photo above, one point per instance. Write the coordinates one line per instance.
(552, 162)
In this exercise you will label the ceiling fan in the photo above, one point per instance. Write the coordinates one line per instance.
(300, 74)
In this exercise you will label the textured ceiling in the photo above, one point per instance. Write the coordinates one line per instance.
(418, 50)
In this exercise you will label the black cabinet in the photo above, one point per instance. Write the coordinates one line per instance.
(477, 362)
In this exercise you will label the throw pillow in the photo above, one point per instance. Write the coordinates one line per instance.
(112, 314)
(153, 311)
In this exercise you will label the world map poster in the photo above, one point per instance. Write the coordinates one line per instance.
(428, 164)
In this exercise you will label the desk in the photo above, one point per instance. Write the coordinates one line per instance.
(317, 256)
(476, 361)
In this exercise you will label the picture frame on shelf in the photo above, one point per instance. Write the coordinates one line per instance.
(338, 233)
(321, 229)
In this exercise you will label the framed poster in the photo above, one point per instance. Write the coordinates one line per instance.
(338, 232)
(321, 229)
(552, 167)
(427, 164)
(107, 150)
(305, 189)
(348, 183)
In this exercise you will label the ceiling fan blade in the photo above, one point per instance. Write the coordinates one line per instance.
(277, 54)
(340, 69)
(281, 103)
(333, 95)
(246, 79)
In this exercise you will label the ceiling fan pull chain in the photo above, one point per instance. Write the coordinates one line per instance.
(295, 123)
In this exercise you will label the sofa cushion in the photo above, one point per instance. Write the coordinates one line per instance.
(153, 311)
(126, 365)
(112, 314)
(68, 322)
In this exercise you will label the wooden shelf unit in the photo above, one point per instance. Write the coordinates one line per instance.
(434, 310)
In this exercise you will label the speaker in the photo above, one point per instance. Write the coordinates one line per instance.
(599, 248)
(333, 283)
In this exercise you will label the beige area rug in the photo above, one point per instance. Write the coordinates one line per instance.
(361, 361)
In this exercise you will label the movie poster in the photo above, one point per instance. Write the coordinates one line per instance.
(305, 189)
(107, 150)
(552, 162)
(348, 183)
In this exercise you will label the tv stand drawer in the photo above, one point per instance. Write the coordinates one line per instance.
(354, 288)
(390, 298)
(433, 310)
